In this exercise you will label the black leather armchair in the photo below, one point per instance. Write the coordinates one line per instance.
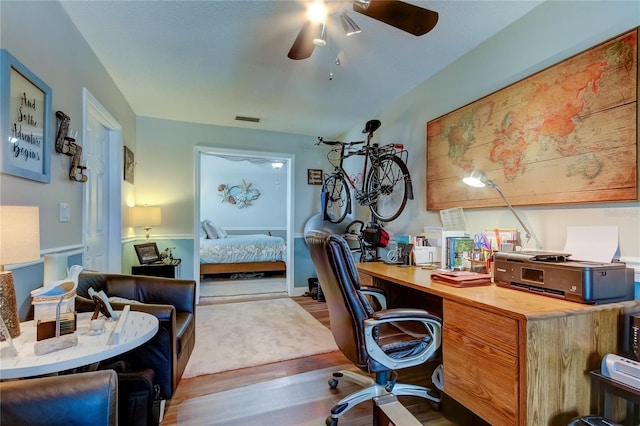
(172, 301)
(379, 342)
(74, 399)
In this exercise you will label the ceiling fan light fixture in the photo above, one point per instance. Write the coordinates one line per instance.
(317, 12)
(320, 39)
(349, 25)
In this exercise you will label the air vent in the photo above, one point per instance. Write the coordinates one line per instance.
(250, 119)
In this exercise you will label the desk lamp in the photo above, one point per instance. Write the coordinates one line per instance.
(478, 179)
(19, 243)
(146, 217)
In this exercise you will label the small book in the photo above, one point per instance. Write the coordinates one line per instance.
(461, 278)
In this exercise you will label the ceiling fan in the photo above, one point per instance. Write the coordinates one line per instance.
(404, 16)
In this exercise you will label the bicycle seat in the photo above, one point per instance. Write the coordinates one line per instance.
(372, 126)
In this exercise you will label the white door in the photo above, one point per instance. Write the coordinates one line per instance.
(102, 149)
(96, 205)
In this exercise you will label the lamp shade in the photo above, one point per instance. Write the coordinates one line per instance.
(19, 243)
(476, 179)
(19, 234)
(146, 216)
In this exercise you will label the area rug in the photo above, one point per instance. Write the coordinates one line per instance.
(246, 334)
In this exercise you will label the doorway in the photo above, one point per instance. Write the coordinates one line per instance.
(102, 191)
(285, 179)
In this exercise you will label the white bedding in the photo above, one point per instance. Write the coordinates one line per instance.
(242, 249)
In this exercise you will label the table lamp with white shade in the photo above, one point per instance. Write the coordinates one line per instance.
(19, 243)
(146, 217)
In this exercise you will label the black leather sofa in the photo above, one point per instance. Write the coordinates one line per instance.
(72, 399)
(172, 301)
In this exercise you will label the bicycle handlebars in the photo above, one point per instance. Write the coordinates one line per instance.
(321, 140)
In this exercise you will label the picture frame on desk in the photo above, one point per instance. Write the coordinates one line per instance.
(147, 253)
(25, 106)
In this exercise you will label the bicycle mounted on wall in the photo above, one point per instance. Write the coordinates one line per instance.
(387, 185)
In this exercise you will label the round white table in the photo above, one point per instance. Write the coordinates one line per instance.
(140, 327)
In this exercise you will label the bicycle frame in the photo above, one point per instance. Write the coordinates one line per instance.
(377, 182)
(366, 152)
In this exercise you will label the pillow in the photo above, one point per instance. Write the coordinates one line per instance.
(221, 232)
(209, 229)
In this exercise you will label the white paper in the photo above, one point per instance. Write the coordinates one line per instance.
(592, 243)
(454, 220)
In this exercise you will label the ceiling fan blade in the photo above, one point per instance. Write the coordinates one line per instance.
(303, 45)
(404, 16)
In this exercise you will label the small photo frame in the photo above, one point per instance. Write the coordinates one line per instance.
(129, 165)
(147, 253)
(314, 176)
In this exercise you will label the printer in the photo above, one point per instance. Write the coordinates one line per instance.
(554, 274)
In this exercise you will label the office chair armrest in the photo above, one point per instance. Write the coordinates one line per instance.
(376, 293)
(404, 314)
(432, 324)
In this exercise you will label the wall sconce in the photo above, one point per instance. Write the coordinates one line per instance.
(19, 243)
(67, 145)
(145, 216)
(277, 165)
(478, 179)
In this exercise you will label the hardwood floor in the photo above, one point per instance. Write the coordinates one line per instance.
(293, 392)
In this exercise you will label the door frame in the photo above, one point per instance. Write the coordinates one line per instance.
(290, 168)
(91, 106)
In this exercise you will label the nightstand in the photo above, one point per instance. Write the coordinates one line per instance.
(164, 270)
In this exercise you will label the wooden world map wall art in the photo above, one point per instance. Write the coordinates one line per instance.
(566, 135)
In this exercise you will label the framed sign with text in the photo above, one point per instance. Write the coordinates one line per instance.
(314, 176)
(25, 105)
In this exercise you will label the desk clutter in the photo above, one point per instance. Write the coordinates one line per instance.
(54, 313)
(461, 278)
(55, 316)
(456, 249)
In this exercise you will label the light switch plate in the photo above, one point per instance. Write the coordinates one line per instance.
(64, 212)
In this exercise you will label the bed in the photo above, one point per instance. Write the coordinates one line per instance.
(242, 253)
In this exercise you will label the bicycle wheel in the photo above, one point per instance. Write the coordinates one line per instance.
(337, 199)
(386, 182)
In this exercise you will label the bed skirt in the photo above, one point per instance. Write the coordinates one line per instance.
(228, 268)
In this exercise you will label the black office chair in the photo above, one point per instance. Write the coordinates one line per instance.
(377, 342)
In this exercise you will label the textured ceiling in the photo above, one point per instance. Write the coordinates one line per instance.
(209, 61)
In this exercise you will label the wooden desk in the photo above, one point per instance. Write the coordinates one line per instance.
(90, 349)
(512, 357)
